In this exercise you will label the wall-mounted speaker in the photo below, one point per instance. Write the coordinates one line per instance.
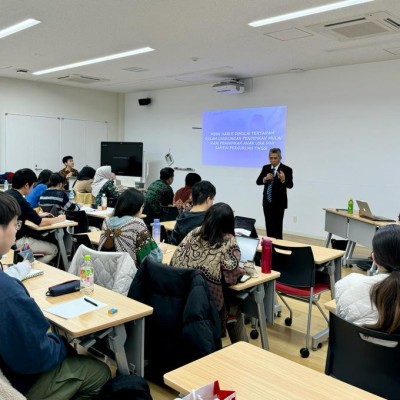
(144, 102)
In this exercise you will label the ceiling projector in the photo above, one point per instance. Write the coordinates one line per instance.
(231, 86)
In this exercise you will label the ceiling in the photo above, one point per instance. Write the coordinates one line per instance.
(195, 41)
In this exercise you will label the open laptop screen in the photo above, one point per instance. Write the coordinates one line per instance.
(248, 247)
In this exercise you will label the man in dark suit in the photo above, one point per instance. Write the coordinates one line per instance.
(276, 178)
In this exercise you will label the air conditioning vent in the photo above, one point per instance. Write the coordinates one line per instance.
(75, 78)
(359, 27)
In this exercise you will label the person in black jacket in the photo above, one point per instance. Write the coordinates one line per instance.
(276, 178)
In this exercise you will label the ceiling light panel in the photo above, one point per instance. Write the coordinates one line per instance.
(309, 11)
(28, 23)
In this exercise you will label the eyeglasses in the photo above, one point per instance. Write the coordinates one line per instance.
(18, 225)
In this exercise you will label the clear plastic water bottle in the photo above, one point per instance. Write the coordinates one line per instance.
(157, 231)
(71, 195)
(6, 184)
(104, 202)
(87, 276)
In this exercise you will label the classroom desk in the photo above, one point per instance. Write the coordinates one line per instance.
(102, 214)
(260, 302)
(58, 234)
(330, 305)
(169, 225)
(256, 374)
(356, 229)
(98, 320)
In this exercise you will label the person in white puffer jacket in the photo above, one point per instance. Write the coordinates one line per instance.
(372, 301)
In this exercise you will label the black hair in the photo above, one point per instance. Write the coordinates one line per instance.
(9, 208)
(66, 158)
(43, 177)
(386, 294)
(23, 176)
(218, 221)
(192, 178)
(129, 203)
(166, 173)
(201, 191)
(56, 178)
(86, 173)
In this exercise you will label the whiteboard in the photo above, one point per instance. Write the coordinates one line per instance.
(40, 142)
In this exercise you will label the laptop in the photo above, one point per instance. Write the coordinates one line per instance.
(244, 226)
(366, 212)
(248, 247)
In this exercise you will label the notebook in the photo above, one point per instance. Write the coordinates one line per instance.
(33, 273)
(366, 212)
(248, 247)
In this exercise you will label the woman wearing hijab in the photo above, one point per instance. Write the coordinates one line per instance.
(84, 180)
(103, 183)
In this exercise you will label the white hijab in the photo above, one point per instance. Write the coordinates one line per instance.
(103, 174)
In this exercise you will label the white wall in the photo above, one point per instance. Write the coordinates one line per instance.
(33, 98)
(342, 139)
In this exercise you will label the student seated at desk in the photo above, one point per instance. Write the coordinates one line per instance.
(38, 364)
(126, 232)
(183, 196)
(22, 185)
(84, 180)
(373, 301)
(55, 196)
(103, 183)
(38, 188)
(203, 194)
(212, 248)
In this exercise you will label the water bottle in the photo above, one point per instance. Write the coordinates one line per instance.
(5, 185)
(104, 202)
(350, 206)
(71, 195)
(87, 276)
(156, 230)
(266, 255)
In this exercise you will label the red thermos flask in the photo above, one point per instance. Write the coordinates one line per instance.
(266, 254)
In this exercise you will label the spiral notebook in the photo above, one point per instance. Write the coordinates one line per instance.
(33, 273)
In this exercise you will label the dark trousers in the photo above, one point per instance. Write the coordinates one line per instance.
(273, 219)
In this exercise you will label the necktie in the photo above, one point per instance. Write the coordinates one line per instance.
(269, 188)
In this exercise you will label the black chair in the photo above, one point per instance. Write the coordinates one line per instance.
(297, 280)
(169, 213)
(247, 224)
(78, 239)
(354, 359)
(81, 218)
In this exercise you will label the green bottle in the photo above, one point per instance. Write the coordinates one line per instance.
(350, 206)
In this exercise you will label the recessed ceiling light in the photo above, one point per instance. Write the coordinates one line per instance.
(309, 11)
(95, 60)
(18, 27)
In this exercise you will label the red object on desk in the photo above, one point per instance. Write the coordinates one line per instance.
(266, 255)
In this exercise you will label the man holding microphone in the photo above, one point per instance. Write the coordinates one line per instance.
(276, 178)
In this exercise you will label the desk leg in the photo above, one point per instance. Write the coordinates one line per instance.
(116, 342)
(59, 235)
(259, 295)
(134, 345)
(348, 252)
(328, 239)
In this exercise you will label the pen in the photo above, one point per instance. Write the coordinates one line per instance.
(90, 301)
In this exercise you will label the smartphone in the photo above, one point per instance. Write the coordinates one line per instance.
(244, 278)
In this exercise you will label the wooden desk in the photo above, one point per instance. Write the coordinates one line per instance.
(58, 233)
(256, 374)
(330, 305)
(260, 302)
(94, 238)
(102, 214)
(169, 225)
(97, 320)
